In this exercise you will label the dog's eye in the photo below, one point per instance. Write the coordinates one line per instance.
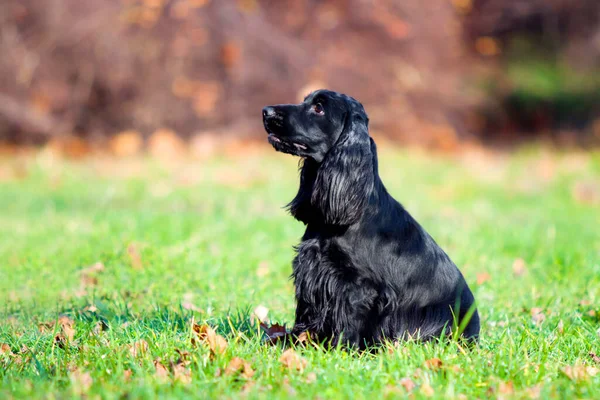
(318, 108)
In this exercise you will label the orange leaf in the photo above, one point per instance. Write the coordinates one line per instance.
(427, 390)
(483, 277)
(206, 334)
(82, 381)
(161, 373)
(292, 361)
(506, 388)
(519, 267)
(407, 384)
(580, 372)
(433, 364)
(237, 365)
(134, 256)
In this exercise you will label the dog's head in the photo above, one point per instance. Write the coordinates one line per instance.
(312, 128)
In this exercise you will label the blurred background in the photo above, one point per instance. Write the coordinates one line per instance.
(125, 74)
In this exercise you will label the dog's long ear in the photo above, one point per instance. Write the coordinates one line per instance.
(300, 207)
(345, 178)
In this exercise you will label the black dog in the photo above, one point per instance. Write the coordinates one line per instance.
(365, 271)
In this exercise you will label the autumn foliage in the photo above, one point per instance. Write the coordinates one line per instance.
(92, 69)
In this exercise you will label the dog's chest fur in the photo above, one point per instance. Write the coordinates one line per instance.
(329, 287)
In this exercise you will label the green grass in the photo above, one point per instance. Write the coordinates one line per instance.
(213, 234)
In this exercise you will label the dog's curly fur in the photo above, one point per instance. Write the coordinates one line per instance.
(365, 270)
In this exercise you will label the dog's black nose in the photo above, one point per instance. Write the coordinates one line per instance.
(268, 112)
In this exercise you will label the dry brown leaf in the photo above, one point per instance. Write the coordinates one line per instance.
(483, 277)
(292, 361)
(207, 335)
(263, 269)
(537, 315)
(88, 275)
(5, 349)
(127, 375)
(248, 386)
(595, 358)
(434, 364)
(408, 384)
(138, 348)
(81, 381)
(534, 392)
(274, 332)
(303, 337)
(506, 388)
(237, 365)
(161, 373)
(519, 267)
(191, 306)
(134, 256)
(427, 390)
(580, 372)
(311, 377)
(66, 327)
(181, 373)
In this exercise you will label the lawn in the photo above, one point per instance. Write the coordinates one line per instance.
(109, 267)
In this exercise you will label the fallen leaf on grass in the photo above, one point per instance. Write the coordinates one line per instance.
(537, 315)
(408, 384)
(433, 364)
(248, 386)
(81, 381)
(534, 392)
(292, 361)
(274, 332)
(100, 327)
(238, 365)
(263, 269)
(181, 373)
(5, 349)
(311, 377)
(160, 371)
(66, 325)
(519, 267)
(580, 372)
(138, 348)
(595, 358)
(260, 313)
(207, 335)
(88, 275)
(506, 388)
(427, 390)
(483, 277)
(134, 256)
(127, 375)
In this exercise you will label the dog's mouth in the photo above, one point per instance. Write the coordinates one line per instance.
(286, 146)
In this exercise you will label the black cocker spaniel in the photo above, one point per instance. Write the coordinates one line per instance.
(365, 270)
